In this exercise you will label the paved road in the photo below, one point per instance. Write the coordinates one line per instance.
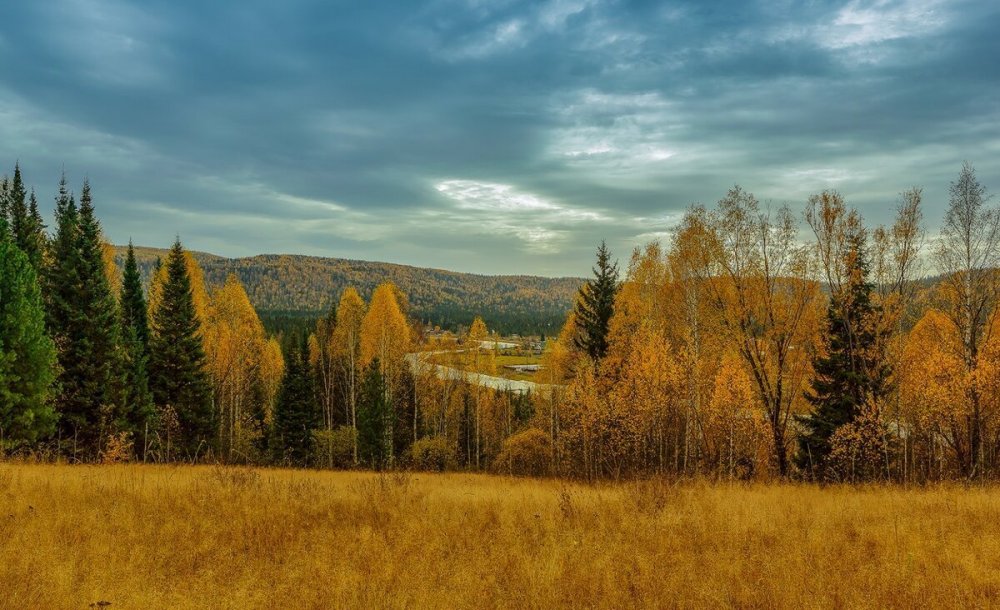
(419, 364)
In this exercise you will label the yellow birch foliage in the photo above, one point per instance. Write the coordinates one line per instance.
(645, 409)
(561, 354)
(934, 382)
(385, 334)
(272, 371)
(346, 348)
(237, 352)
(111, 268)
(640, 302)
(736, 431)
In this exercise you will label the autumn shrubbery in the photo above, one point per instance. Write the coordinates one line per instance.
(334, 448)
(435, 454)
(527, 453)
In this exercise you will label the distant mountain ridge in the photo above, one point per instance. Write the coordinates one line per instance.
(311, 285)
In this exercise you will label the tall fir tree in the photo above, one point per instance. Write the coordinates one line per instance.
(852, 372)
(133, 301)
(135, 343)
(27, 354)
(5, 206)
(26, 227)
(374, 419)
(34, 241)
(98, 341)
(17, 208)
(178, 378)
(62, 289)
(596, 304)
(296, 413)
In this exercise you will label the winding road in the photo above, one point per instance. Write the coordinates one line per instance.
(419, 364)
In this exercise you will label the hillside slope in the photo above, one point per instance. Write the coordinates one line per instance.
(310, 285)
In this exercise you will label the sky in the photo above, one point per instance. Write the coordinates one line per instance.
(488, 136)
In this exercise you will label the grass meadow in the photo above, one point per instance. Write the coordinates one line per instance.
(213, 537)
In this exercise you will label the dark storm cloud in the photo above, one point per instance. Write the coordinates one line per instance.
(494, 136)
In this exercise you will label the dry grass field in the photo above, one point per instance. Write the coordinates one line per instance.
(209, 537)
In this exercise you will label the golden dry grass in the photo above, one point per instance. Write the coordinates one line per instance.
(193, 537)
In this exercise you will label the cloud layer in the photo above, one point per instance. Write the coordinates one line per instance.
(494, 136)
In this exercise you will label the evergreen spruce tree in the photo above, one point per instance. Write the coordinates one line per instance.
(853, 371)
(99, 365)
(26, 228)
(27, 354)
(62, 289)
(296, 413)
(595, 306)
(133, 302)
(177, 374)
(17, 208)
(34, 242)
(374, 413)
(135, 342)
(5, 206)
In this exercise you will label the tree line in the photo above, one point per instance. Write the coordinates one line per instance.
(758, 342)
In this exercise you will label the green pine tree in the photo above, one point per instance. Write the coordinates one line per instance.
(596, 304)
(98, 350)
(62, 289)
(135, 342)
(853, 371)
(374, 413)
(17, 208)
(34, 242)
(133, 302)
(5, 206)
(27, 354)
(177, 374)
(26, 225)
(296, 413)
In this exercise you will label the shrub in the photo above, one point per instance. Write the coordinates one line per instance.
(334, 448)
(435, 454)
(118, 449)
(527, 453)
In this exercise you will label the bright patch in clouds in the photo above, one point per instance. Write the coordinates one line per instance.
(615, 133)
(494, 208)
(868, 22)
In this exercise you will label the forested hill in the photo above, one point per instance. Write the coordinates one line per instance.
(309, 285)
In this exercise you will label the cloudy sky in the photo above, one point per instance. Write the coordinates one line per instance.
(492, 136)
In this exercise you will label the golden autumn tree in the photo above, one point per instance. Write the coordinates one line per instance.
(643, 426)
(241, 367)
(581, 426)
(322, 359)
(272, 371)
(896, 263)
(736, 431)
(385, 338)
(559, 361)
(639, 301)
(968, 256)
(481, 360)
(761, 282)
(111, 270)
(934, 391)
(346, 347)
(692, 323)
